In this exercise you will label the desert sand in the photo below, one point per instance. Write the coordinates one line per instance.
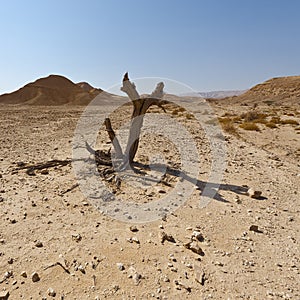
(236, 247)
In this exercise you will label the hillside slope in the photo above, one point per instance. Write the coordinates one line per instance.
(52, 90)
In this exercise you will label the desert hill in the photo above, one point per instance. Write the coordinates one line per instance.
(52, 90)
(272, 91)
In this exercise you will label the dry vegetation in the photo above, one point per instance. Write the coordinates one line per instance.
(230, 122)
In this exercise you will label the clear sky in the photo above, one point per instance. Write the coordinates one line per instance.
(209, 45)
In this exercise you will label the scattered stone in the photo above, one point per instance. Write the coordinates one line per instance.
(136, 240)
(4, 295)
(38, 244)
(200, 277)
(193, 246)
(51, 292)
(10, 260)
(76, 237)
(180, 285)
(24, 274)
(81, 269)
(35, 277)
(166, 237)
(120, 266)
(255, 229)
(132, 273)
(133, 228)
(254, 194)
(198, 236)
(8, 274)
(133, 239)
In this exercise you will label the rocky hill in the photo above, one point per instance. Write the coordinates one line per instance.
(52, 90)
(273, 91)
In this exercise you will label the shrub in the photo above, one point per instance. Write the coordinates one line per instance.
(271, 125)
(190, 116)
(253, 115)
(275, 120)
(289, 121)
(249, 126)
(228, 125)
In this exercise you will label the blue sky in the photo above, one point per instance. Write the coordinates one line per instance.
(208, 45)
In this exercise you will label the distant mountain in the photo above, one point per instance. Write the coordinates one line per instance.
(216, 94)
(273, 91)
(52, 90)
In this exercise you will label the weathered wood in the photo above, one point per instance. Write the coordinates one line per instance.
(140, 107)
(113, 138)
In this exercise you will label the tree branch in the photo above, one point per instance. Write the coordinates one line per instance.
(129, 88)
(113, 138)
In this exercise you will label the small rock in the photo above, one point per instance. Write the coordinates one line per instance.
(120, 266)
(38, 244)
(133, 228)
(35, 277)
(8, 274)
(24, 274)
(193, 246)
(198, 236)
(135, 239)
(255, 229)
(200, 277)
(76, 237)
(4, 295)
(132, 273)
(166, 237)
(81, 269)
(51, 292)
(10, 260)
(254, 194)
(45, 172)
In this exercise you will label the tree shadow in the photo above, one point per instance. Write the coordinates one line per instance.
(211, 189)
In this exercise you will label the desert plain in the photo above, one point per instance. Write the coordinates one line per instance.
(54, 244)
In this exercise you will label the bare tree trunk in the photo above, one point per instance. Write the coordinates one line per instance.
(140, 107)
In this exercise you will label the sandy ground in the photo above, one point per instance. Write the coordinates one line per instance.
(80, 253)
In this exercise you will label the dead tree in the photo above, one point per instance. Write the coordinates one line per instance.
(140, 107)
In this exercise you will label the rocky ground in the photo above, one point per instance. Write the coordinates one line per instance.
(55, 245)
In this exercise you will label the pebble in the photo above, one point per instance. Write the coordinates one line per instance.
(132, 273)
(198, 235)
(10, 260)
(76, 237)
(51, 292)
(255, 229)
(133, 228)
(81, 269)
(254, 193)
(24, 274)
(166, 237)
(200, 277)
(193, 246)
(35, 277)
(120, 266)
(38, 244)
